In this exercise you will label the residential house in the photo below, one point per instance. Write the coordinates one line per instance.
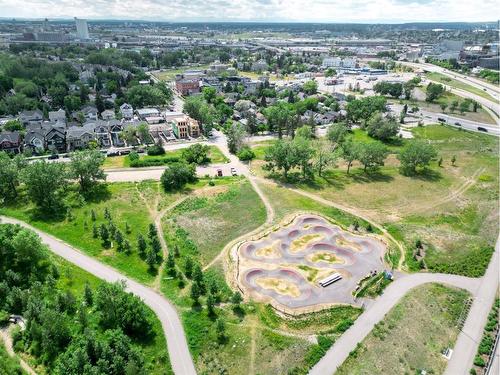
(89, 113)
(260, 66)
(10, 142)
(34, 139)
(58, 116)
(144, 113)
(127, 111)
(187, 86)
(108, 114)
(55, 137)
(115, 128)
(78, 137)
(185, 127)
(31, 117)
(101, 131)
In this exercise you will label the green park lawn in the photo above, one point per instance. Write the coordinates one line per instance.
(412, 335)
(124, 202)
(214, 220)
(441, 78)
(452, 208)
(215, 154)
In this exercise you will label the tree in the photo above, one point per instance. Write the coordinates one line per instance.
(88, 295)
(350, 152)
(236, 299)
(454, 105)
(246, 153)
(221, 330)
(196, 153)
(434, 91)
(416, 154)
(46, 184)
(86, 167)
(337, 133)
(382, 128)
(128, 135)
(170, 261)
(304, 132)
(141, 244)
(143, 133)
(13, 125)
(118, 239)
(279, 117)
(235, 137)
(104, 233)
(282, 156)
(201, 111)
(188, 267)
(363, 109)
(119, 309)
(304, 152)
(195, 292)
(323, 156)
(443, 106)
(372, 155)
(10, 177)
(151, 257)
(464, 106)
(177, 175)
(211, 305)
(310, 87)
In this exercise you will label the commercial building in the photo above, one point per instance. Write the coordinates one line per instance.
(82, 29)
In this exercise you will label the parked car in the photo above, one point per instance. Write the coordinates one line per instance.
(458, 124)
(233, 172)
(53, 157)
(219, 172)
(481, 129)
(440, 119)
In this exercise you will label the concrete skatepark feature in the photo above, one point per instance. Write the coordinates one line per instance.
(284, 266)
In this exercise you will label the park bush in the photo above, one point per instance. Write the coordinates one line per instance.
(472, 263)
(246, 154)
(154, 162)
(155, 150)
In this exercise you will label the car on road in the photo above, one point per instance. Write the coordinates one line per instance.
(440, 119)
(481, 129)
(458, 124)
(219, 172)
(233, 172)
(53, 157)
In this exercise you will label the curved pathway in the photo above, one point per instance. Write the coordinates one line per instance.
(178, 350)
(7, 339)
(339, 352)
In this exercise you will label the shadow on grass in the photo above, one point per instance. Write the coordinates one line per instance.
(427, 175)
(99, 193)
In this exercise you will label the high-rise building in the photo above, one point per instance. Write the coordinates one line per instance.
(82, 29)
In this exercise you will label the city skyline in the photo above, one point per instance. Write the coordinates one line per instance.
(323, 11)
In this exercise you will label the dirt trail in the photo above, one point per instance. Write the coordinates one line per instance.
(350, 210)
(7, 339)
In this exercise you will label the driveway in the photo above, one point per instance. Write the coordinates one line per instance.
(178, 350)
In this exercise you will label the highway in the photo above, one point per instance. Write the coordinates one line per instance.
(178, 349)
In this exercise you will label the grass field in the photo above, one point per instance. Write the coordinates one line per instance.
(213, 221)
(412, 335)
(124, 202)
(441, 78)
(215, 154)
(452, 208)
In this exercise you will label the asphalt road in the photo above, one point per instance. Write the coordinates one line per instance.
(178, 350)
(472, 331)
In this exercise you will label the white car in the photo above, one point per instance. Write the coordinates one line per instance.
(233, 172)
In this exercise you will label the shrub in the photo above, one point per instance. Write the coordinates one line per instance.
(155, 150)
(177, 175)
(246, 154)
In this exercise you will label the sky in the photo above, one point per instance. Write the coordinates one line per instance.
(363, 11)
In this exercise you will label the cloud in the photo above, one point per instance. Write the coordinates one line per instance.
(257, 10)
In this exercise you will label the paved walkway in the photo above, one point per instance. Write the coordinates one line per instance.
(339, 352)
(178, 350)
